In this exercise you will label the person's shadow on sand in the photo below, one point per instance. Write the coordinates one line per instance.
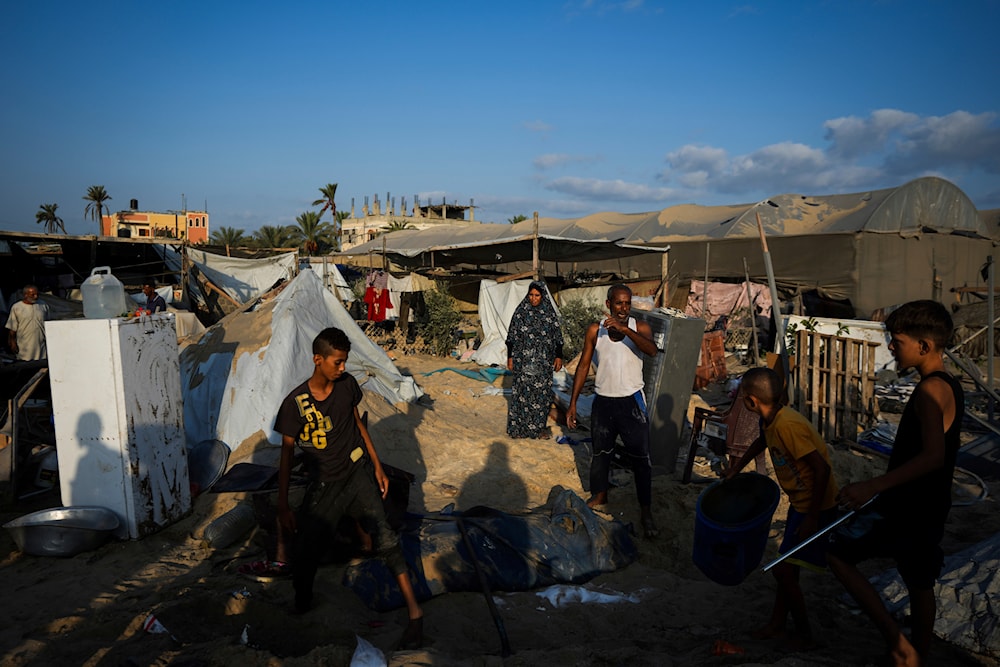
(484, 484)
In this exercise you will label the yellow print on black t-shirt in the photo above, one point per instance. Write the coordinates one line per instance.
(317, 424)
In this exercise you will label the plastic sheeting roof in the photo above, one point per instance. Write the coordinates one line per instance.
(924, 204)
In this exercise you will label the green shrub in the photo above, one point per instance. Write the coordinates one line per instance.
(576, 317)
(443, 318)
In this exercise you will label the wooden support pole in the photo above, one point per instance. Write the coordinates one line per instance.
(775, 302)
(753, 314)
(534, 247)
(704, 291)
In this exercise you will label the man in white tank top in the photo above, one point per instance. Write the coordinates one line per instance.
(616, 346)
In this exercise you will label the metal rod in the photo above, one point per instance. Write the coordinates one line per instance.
(990, 340)
(815, 536)
(484, 582)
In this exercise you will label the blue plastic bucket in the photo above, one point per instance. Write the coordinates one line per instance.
(732, 523)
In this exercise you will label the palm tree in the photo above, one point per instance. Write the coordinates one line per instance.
(46, 215)
(326, 201)
(272, 236)
(516, 219)
(227, 236)
(95, 198)
(397, 225)
(312, 235)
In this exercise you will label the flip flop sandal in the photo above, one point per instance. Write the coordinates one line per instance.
(265, 570)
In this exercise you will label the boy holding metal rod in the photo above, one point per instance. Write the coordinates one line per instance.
(802, 465)
(914, 495)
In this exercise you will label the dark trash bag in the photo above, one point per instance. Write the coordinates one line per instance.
(564, 543)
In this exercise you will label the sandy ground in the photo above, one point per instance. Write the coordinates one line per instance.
(90, 609)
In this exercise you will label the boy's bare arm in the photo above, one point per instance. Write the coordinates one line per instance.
(285, 514)
(755, 448)
(380, 477)
(821, 478)
(934, 402)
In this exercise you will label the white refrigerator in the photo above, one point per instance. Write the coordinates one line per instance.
(119, 418)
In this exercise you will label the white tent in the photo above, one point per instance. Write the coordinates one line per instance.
(497, 303)
(235, 376)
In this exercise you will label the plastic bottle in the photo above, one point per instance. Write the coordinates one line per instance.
(103, 294)
(229, 527)
(48, 468)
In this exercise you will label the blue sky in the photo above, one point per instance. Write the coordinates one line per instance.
(566, 108)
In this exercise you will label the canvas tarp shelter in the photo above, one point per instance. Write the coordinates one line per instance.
(486, 244)
(242, 279)
(235, 376)
(875, 248)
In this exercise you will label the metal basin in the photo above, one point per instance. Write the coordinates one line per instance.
(63, 531)
(206, 464)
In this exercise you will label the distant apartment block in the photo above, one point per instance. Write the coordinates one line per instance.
(378, 218)
(133, 223)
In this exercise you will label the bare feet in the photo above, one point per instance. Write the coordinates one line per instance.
(649, 529)
(903, 654)
(799, 643)
(769, 631)
(598, 499)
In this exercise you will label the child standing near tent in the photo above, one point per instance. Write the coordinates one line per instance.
(914, 495)
(344, 471)
(802, 465)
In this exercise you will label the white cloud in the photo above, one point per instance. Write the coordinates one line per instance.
(886, 148)
(537, 126)
(550, 160)
(602, 6)
(960, 139)
(617, 190)
(852, 137)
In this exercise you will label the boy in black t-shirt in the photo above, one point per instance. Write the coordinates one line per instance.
(321, 416)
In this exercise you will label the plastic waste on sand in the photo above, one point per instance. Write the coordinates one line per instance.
(366, 655)
(229, 527)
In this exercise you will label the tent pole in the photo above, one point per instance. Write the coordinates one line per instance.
(185, 292)
(664, 267)
(753, 314)
(704, 291)
(775, 303)
(991, 316)
(534, 248)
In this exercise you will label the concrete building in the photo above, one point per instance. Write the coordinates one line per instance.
(378, 217)
(133, 223)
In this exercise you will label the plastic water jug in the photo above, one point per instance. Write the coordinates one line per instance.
(103, 294)
(229, 527)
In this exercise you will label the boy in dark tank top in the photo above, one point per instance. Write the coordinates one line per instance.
(914, 494)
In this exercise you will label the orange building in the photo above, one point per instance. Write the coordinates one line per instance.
(190, 225)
